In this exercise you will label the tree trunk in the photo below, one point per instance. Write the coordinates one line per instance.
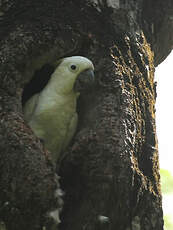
(110, 172)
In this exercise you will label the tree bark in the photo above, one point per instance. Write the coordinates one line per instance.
(110, 172)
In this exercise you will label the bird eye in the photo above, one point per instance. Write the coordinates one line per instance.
(73, 67)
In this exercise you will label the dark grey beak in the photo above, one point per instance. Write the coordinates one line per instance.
(84, 81)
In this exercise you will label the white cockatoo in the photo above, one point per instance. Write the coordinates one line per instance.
(51, 113)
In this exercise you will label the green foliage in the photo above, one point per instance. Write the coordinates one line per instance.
(168, 222)
(167, 189)
(166, 181)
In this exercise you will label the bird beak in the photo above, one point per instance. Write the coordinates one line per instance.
(84, 81)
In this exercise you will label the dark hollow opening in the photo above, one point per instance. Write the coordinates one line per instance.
(37, 83)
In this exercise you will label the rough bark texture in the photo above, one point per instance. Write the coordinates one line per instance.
(110, 174)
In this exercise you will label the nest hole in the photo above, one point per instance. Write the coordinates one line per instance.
(37, 82)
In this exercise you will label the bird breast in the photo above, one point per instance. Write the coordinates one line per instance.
(55, 122)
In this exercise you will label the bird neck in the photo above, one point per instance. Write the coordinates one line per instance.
(55, 89)
(61, 83)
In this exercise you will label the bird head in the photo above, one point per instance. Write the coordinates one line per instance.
(74, 73)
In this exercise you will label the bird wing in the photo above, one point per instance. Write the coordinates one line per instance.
(30, 106)
(70, 130)
(69, 134)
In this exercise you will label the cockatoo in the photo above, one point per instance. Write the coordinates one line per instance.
(51, 114)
